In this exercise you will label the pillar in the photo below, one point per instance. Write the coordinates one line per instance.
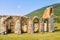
(51, 25)
(18, 27)
(42, 25)
(30, 28)
(3, 26)
(39, 23)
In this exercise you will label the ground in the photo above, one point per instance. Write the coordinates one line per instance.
(36, 36)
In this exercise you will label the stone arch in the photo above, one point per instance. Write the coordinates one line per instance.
(24, 24)
(9, 24)
(36, 24)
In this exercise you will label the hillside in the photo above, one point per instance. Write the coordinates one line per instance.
(39, 12)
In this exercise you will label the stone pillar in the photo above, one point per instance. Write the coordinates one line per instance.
(51, 25)
(18, 27)
(39, 24)
(42, 25)
(3, 26)
(30, 28)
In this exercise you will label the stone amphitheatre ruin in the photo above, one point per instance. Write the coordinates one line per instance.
(22, 24)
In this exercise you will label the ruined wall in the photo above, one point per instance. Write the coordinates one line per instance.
(22, 24)
(48, 18)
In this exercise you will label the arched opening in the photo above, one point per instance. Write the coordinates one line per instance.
(45, 25)
(24, 25)
(9, 25)
(36, 25)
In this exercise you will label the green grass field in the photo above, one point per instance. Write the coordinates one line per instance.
(36, 36)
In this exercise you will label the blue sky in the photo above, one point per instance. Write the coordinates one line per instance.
(23, 7)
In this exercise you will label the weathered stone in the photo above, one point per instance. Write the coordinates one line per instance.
(36, 24)
(30, 28)
(48, 15)
(3, 26)
(51, 25)
(18, 27)
(42, 25)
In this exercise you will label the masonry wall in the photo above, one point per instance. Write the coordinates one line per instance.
(22, 24)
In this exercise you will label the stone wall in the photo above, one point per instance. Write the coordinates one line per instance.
(21, 24)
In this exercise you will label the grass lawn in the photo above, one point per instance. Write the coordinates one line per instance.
(36, 36)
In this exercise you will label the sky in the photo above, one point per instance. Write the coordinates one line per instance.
(23, 7)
